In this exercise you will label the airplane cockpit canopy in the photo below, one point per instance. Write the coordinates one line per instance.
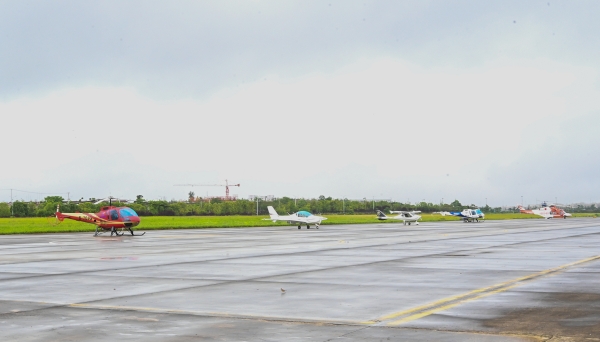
(303, 214)
(127, 212)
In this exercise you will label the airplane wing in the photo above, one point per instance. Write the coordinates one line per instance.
(398, 212)
(404, 212)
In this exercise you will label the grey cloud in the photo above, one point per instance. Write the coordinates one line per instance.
(563, 166)
(189, 48)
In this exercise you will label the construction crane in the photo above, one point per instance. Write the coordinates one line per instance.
(226, 185)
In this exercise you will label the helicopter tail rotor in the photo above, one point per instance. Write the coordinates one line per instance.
(59, 216)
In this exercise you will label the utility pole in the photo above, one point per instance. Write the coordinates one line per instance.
(257, 199)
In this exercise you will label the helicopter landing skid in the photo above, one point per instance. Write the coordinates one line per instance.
(116, 232)
(132, 234)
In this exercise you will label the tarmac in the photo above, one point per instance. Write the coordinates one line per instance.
(514, 280)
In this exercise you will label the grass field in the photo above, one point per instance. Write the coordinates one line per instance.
(45, 225)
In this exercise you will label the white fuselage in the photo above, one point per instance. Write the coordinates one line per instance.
(550, 212)
(300, 218)
(404, 216)
(294, 218)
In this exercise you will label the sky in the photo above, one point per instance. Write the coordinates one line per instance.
(491, 102)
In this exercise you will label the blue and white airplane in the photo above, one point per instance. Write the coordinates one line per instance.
(469, 215)
(300, 218)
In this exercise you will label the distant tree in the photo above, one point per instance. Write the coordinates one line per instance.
(20, 209)
(456, 204)
(191, 196)
(4, 210)
(139, 199)
(54, 199)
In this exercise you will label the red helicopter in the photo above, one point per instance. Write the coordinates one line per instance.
(114, 219)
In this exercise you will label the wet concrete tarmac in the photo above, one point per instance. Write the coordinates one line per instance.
(518, 280)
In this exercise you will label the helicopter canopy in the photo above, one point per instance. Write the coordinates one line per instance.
(127, 212)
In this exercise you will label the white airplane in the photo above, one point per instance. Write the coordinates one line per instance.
(405, 216)
(300, 218)
(469, 215)
(546, 211)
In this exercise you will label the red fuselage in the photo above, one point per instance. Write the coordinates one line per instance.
(108, 217)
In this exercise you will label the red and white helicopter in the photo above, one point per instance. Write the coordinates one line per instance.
(546, 211)
(114, 219)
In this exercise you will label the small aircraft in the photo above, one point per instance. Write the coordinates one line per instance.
(469, 215)
(405, 216)
(546, 211)
(300, 218)
(110, 218)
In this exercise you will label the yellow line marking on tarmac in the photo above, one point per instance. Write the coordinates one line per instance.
(450, 302)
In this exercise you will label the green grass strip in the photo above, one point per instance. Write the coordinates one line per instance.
(48, 225)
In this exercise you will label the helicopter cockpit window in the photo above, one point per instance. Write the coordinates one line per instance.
(128, 212)
(114, 215)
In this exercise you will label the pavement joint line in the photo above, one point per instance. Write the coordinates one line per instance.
(292, 273)
(305, 252)
(452, 301)
(221, 282)
(211, 314)
(177, 312)
(376, 245)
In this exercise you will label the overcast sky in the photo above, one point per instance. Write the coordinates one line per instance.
(402, 100)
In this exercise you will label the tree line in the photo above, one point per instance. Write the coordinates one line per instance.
(218, 207)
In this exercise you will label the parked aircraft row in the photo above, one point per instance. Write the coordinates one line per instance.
(119, 220)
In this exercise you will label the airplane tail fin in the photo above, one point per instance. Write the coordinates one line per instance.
(381, 215)
(272, 212)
